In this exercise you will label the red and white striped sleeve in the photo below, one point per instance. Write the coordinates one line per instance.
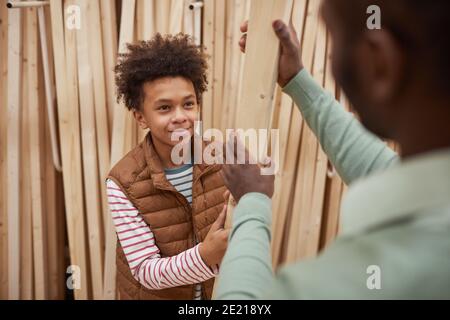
(143, 256)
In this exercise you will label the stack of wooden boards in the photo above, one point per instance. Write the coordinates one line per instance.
(50, 220)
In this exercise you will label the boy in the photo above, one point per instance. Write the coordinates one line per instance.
(168, 218)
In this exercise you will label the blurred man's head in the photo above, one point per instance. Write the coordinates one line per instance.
(388, 73)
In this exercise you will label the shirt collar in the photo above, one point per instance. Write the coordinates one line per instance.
(406, 188)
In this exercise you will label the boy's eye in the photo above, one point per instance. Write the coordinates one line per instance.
(164, 108)
(189, 104)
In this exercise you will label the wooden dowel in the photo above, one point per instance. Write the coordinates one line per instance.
(26, 4)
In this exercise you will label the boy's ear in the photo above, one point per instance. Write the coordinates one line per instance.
(140, 119)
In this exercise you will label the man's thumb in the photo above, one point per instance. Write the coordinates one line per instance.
(282, 32)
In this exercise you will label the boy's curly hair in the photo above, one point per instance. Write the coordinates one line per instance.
(162, 56)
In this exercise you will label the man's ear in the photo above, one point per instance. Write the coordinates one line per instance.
(384, 66)
(140, 119)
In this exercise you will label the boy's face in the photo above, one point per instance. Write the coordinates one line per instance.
(170, 105)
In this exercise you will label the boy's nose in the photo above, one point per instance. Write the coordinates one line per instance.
(179, 116)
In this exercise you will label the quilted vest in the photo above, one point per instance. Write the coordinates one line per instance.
(174, 223)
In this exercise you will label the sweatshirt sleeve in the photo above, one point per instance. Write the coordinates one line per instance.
(353, 150)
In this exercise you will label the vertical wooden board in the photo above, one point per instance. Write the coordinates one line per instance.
(26, 218)
(149, 23)
(118, 149)
(145, 19)
(308, 148)
(286, 179)
(247, 5)
(77, 165)
(109, 40)
(56, 278)
(219, 61)
(256, 95)
(237, 57)
(260, 71)
(208, 44)
(162, 16)
(65, 62)
(228, 63)
(55, 266)
(92, 135)
(140, 18)
(13, 149)
(96, 60)
(3, 175)
(36, 144)
(176, 16)
(283, 127)
(312, 236)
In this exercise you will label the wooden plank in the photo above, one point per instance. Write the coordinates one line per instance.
(176, 16)
(35, 110)
(109, 40)
(96, 59)
(54, 215)
(309, 243)
(149, 23)
(260, 71)
(219, 61)
(228, 76)
(162, 16)
(257, 96)
(308, 147)
(13, 149)
(208, 44)
(3, 175)
(55, 236)
(290, 124)
(118, 150)
(26, 218)
(237, 59)
(70, 142)
(90, 108)
(145, 31)
(308, 45)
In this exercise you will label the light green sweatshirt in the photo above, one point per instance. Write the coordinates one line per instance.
(395, 233)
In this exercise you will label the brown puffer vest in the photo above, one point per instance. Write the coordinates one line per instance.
(174, 223)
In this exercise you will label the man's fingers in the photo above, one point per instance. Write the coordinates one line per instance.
(243, 42)
(240, 148)
(244, 26)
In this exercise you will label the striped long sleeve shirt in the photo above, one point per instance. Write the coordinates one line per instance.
(138, 242)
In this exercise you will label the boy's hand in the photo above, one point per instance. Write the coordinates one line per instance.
(290, 62)
(213, 248)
